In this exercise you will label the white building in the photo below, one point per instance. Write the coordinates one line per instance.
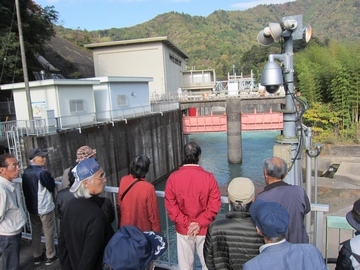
(154, 57)
(74, 103)
(55, 98)
(117, 98)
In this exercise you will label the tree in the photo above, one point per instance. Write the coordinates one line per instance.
(37, 27)
(328, 77)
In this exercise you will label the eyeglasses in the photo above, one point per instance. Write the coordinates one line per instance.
(14, 166)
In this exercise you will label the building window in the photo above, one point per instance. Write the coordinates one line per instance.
(77, 105)
(175, 60)
(121, 101)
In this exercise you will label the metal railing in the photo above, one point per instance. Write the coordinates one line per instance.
(25, 127)
(167, 260)
(50, 125)
(40, 127)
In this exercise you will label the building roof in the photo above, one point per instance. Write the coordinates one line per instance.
(34, 84)
(164, 39)
(110, 79)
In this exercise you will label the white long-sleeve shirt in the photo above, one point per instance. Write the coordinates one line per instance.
(12, 217)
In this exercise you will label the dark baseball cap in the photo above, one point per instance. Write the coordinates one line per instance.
(37, 152)
(271, 218)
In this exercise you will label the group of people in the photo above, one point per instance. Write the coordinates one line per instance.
(192, 201)
(86, 237)
(82, 212)
(261, 231)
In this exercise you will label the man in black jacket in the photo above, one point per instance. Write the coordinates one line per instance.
(84, 228)
(232, 241)
(38, 186)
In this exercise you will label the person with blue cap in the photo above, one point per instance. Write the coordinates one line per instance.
(272, 221)
(132, 249)
(84, 232)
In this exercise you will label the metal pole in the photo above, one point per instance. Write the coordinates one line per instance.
(23, 60)
(290, 113)
(290, 131)
(308, 144)
(316, 179)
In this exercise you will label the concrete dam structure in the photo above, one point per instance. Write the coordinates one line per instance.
(159, 136)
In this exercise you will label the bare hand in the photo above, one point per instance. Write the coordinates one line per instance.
(193, 229)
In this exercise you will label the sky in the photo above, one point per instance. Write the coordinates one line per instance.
(105, 14)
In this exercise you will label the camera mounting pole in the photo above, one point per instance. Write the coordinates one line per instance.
(289, 145)
(290, 130)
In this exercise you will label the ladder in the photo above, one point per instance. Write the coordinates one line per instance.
(14, 145)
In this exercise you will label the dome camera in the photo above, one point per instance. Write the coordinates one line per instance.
(272, 77)
(271, 89)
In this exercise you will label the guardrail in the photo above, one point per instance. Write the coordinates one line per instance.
(40, 127)
(25, 127)
(168, 260)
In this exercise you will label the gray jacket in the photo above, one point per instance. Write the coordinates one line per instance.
(295, 201)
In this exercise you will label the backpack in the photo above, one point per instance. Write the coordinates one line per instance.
(343, 261)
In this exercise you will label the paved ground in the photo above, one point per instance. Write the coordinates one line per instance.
(26, 259)
(27, 263)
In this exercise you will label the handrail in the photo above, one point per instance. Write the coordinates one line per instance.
(40, 127)
(166, 260)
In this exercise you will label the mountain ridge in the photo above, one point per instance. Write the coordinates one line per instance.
(221, 39)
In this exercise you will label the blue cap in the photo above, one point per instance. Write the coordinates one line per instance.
(83, 170)
(270, 217)
(132, 249)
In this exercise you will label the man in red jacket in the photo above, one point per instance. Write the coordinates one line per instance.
(192, 200)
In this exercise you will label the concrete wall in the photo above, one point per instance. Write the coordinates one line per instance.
(174, 65)
(133, 60)
(154, 57)
(158, 137)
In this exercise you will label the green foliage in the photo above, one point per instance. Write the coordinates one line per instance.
(37, 27)
(328, 77)
(321, 117)
(340, 91)
(326, 69)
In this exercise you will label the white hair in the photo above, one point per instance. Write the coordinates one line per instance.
(82, 191)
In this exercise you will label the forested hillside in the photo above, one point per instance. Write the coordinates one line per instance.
(222, 39)
(327, 70)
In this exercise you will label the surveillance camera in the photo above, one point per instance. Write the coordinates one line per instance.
(272, 88)
(272, 77)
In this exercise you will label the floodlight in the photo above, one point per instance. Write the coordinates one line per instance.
(276, 31)
(307, 32)
(264, 37)
(272, 77)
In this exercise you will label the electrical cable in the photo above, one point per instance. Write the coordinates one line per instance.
(300, 146)
(304, 106)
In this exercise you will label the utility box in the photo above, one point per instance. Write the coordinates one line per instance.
(283, 151)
